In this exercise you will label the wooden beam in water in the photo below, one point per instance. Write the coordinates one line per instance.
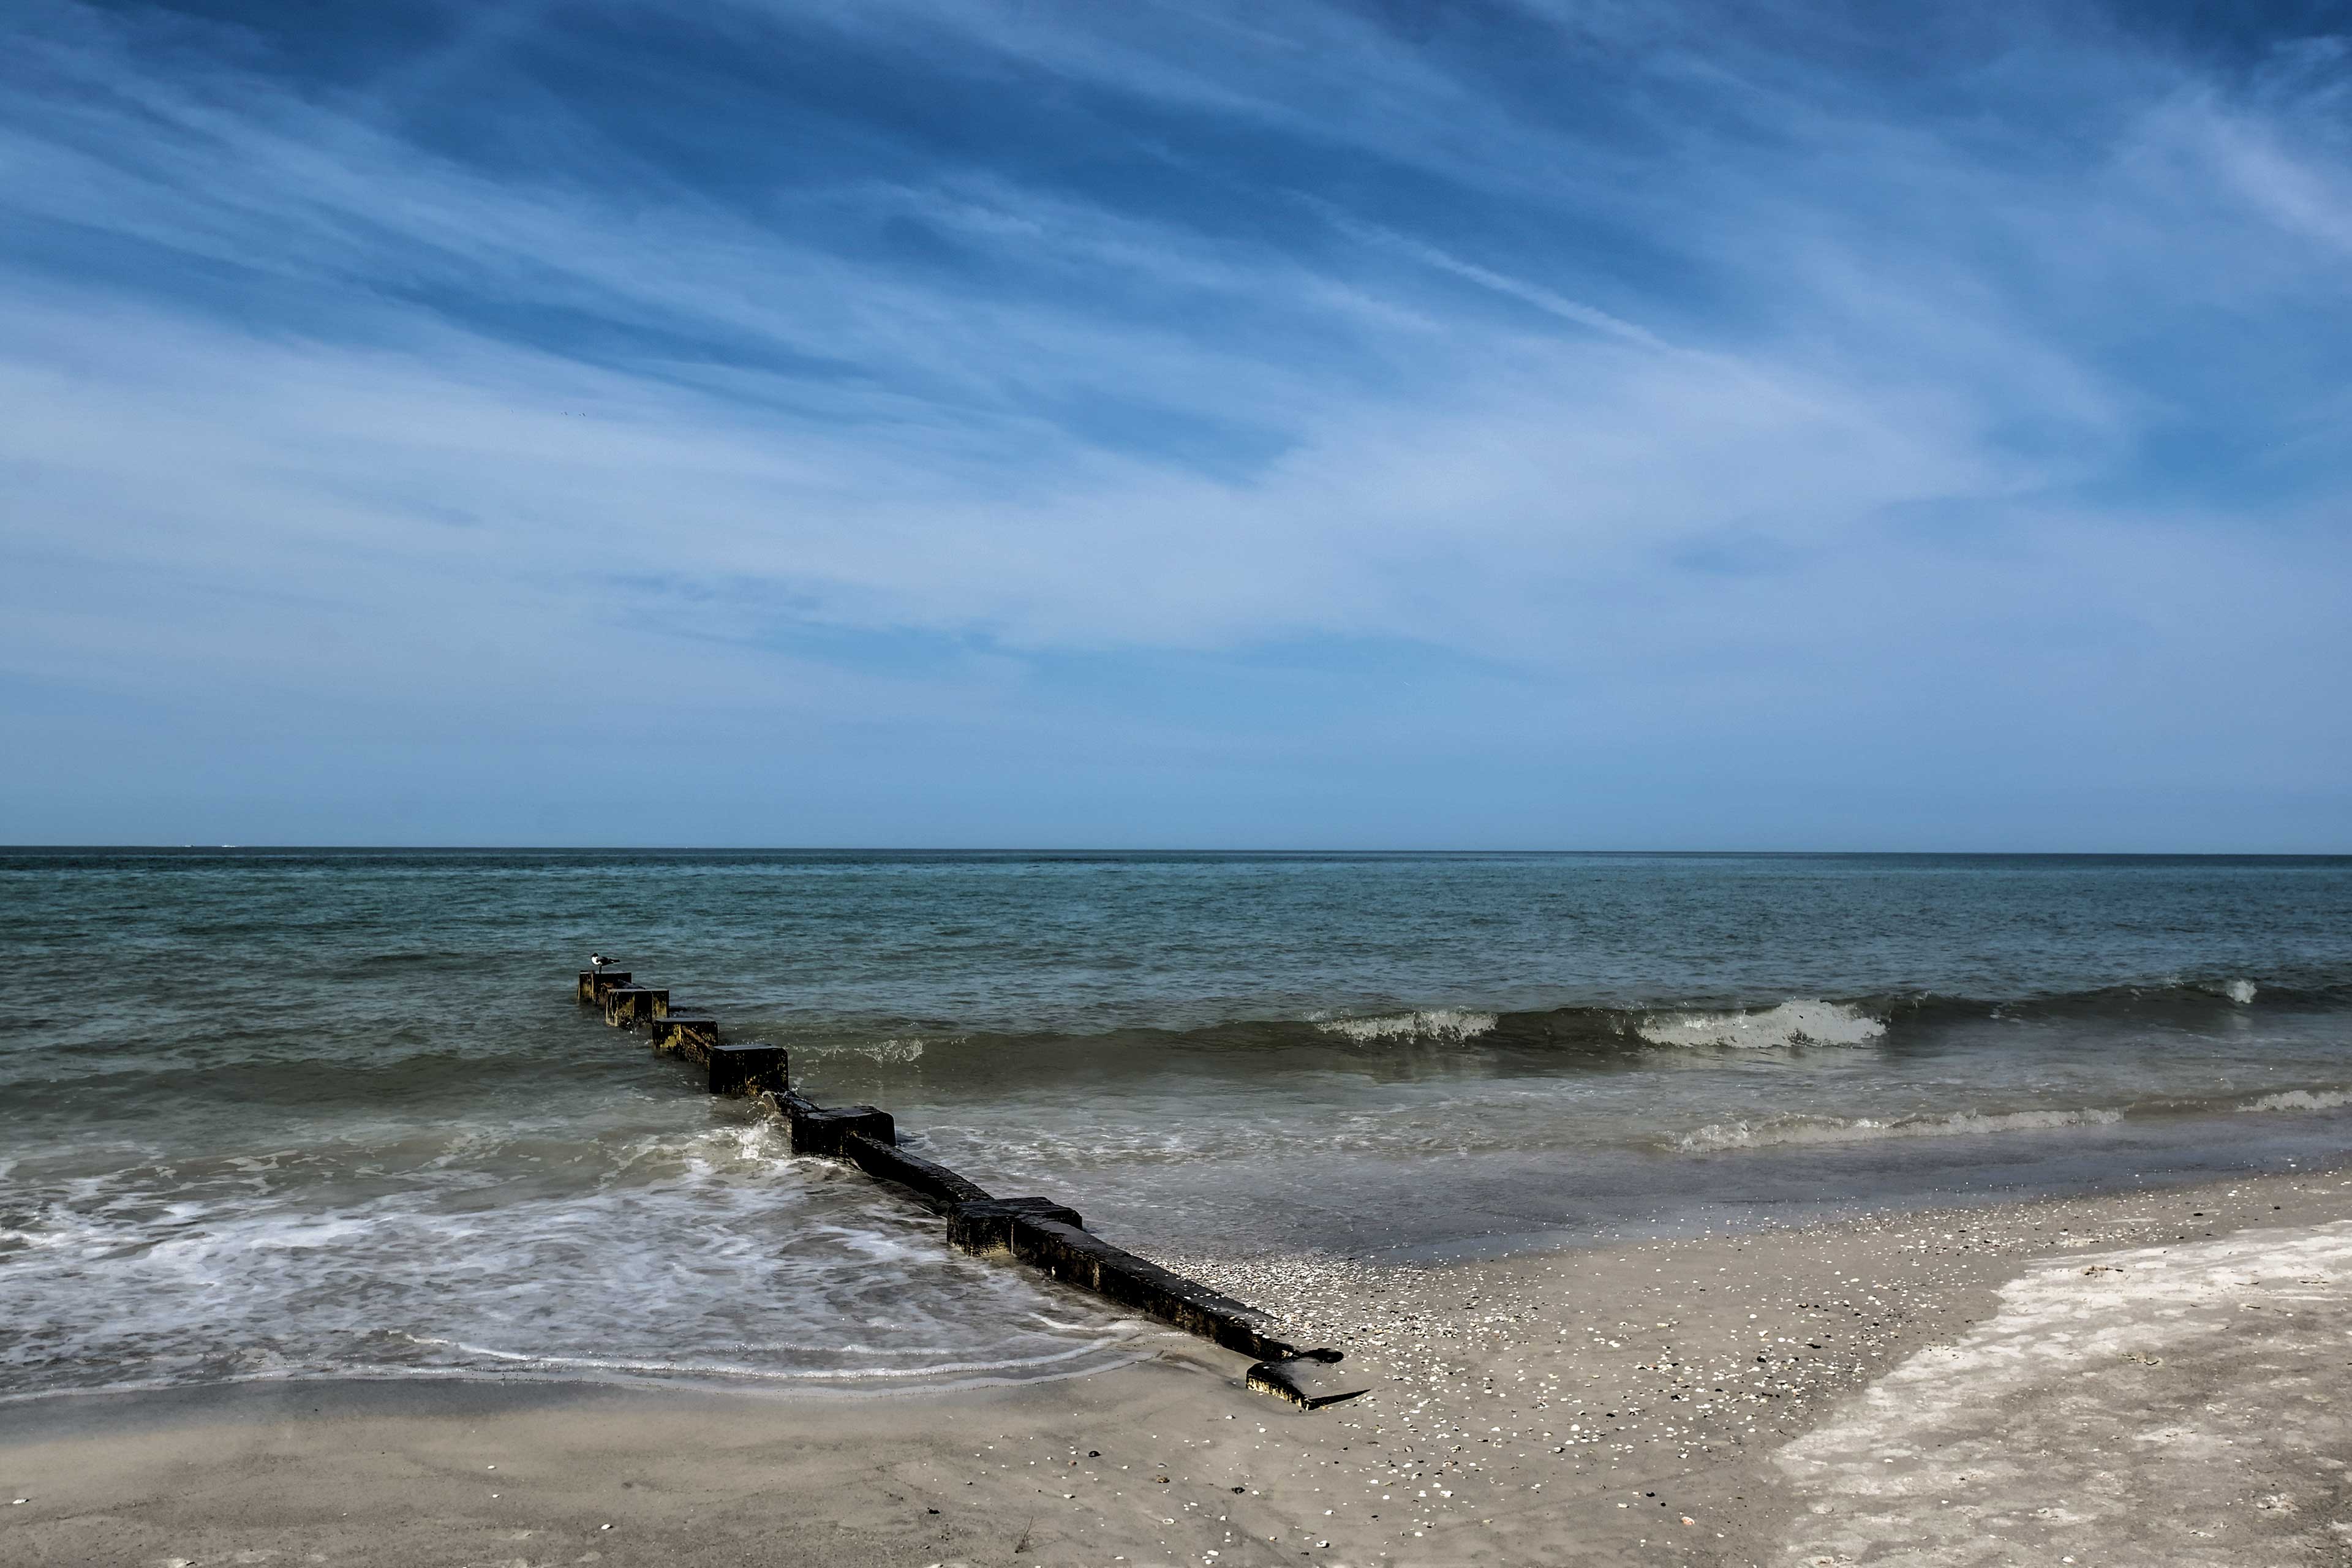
(746, 1069)
(1047, 1235)
(690, 1035)
(629, 1004)
(593, 981)
(1054, 1240)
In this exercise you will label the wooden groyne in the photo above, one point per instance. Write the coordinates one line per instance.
(1045, 1235)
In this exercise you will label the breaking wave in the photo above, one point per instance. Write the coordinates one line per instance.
(1789, 1024)
(2240, 991)
(1798, 1127)
(1447, 1023)
(891, 1050)
(2302, 1099)
(1600, 1034)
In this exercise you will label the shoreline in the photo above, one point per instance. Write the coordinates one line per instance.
(1528, 1407)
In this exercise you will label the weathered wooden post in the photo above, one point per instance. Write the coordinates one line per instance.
(594, 981)
(691, 1034)
(746, 1070)
(820, 1130)
(628, 1005)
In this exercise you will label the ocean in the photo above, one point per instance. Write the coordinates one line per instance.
(291, 1113)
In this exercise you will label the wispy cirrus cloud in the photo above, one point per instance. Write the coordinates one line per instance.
(1667, 415)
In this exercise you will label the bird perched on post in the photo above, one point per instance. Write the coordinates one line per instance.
(598, 961)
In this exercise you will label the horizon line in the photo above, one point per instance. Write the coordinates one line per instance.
(1147, 849)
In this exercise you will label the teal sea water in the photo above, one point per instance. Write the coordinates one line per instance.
(288, 1113)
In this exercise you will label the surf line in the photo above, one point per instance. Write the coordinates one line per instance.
(1049, 1237)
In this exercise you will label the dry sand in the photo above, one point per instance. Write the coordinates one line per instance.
(2152, 1378)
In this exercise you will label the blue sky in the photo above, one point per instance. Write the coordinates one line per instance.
(1527, 422)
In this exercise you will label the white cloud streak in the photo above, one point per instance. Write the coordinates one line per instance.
(1889, 444)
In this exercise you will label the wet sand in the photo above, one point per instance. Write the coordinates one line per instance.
(2144, 1378)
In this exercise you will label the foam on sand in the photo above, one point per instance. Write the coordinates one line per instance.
(1795, 1023)
(2183, 1405)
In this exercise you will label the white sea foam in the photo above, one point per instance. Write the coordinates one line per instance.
(2241, 992)
(2113, 1400)
(896, 1049)
(1449, 1024)
(1799, 1129)
(1120, 1334)
(2302, 1099)
(763, 1273)
(1794, 1022)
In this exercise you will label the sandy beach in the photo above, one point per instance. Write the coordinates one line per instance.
(2150, 1377)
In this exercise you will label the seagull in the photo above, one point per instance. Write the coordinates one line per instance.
(599, 961)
